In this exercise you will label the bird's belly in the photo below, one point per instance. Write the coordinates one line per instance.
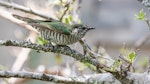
(64, 39)
(58, 38)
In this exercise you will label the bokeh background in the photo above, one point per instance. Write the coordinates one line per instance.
(115, 25)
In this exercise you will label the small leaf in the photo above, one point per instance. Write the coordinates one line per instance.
(65, 20)
(141, 15)
(116, 64)
(132, 56)
(70, 18)
(40, 40)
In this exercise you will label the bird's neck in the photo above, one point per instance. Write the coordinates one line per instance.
(79, 35)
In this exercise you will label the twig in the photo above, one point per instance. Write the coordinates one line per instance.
(120, 56)
(104, 78)
(146, 3)
(144, 39)
(65, 11)
(147, 22)
(141, 41)
(88, 50)
(24, 9)
(39, 76)
(56, 49)
(87, 79)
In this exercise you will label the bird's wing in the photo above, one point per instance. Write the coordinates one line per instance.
(57, 26)
(47, 24)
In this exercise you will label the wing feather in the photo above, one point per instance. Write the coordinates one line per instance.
(47, 24)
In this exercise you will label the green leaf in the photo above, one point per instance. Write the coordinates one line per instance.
(70, 18)
(141, 15)
(40, 40)
(132, 56)
(128, 55)
(65, 20)
(116, 64)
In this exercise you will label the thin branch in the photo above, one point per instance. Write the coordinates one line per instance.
(146, 3)
(104, 78)
(88, 79)
(24, 9)
(141, 41)
(55, 49)
(144, 39)
(147, 22)
(38, 76)
(65, 11)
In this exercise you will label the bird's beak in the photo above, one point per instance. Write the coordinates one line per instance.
(91, 28)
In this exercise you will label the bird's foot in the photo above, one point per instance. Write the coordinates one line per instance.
(63, 46)
(47, 45)
(85, 46)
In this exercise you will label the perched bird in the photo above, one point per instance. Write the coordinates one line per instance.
(57, 32)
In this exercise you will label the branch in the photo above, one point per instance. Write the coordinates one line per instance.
(146, 3)
(55, 49)
(88, 79)
(24, 9)
(104, 78)
(65, 11)
(141, 41)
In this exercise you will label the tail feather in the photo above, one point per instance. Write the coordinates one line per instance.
(28, 20)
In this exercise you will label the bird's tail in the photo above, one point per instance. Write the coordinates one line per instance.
(28, 20)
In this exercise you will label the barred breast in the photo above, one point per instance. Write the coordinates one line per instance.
(58, 38)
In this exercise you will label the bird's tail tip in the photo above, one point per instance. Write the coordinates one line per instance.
(28, 20)
(16, 16)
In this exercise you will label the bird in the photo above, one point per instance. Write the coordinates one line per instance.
(56, 32)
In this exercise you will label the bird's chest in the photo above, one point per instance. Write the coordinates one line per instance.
(58, 38)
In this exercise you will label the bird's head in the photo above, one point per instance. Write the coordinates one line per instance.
(80, 29)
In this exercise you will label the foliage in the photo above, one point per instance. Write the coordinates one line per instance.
(40, 40)
(141, 15)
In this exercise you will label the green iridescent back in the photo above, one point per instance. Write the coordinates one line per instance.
(57, 26)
